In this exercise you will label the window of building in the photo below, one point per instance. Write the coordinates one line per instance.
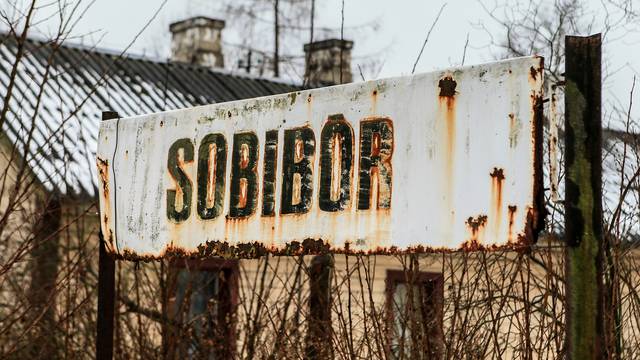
(414, 304)
(203, 301)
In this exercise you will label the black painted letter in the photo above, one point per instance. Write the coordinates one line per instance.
(270, 166)
(336, 158)
(244, 176)
(297, 170)
(376, 149)
(212, 162)
(179, 200)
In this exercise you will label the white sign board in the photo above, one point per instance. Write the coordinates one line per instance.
(441, 160)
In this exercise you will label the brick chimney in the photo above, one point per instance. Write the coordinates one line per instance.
(322, 59)
(197, 40)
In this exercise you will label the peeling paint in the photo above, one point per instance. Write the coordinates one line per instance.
(512, 217)
(292, 98)
(514, 130)
(105, 210)
(497, 185)
(476, 226)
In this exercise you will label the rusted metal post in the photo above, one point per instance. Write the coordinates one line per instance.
(583, 200)
(106, 291)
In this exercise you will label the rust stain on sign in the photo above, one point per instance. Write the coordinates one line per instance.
(105, 211)
(512, 218)
(385, 166)
(477, 227)
(497, 181)
(447, 110)
(447, 102)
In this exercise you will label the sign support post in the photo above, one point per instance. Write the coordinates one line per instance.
(584, 256)
(106, 290)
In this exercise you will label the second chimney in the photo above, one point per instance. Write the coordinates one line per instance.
(198, 41)
(324, 62)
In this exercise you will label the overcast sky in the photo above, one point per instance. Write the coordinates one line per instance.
(395, 42)
(403, 26)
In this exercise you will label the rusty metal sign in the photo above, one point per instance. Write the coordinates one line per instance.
(436, 161)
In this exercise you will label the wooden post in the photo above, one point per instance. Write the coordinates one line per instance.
(106, 291)
(583, 199)
(318, 339)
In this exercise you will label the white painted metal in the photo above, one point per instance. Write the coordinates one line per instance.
(444, 153)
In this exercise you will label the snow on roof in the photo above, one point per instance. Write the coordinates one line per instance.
(61, 91)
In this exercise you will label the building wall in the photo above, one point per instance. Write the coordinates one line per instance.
(495, 305)
(499, 304)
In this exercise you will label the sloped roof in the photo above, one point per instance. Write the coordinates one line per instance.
(60, 92)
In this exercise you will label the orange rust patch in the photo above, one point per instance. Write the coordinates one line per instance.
(476, 226)
(497, 173)
(374, 193)
(447, 107)
(298, 154)
(534, 73)
(447, 115)
(211, 175)
(103, 172)
(447, 86)
(180, 200)
(296, 196)
(336, 167)
(244, 156)
(375, 144)
(253, 250)
(497, 182)
(374, 101)
(242, 199)
(512, 216)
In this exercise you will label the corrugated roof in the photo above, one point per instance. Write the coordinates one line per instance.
(60, 92)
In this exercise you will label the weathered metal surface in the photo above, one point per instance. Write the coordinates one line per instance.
(436, 161)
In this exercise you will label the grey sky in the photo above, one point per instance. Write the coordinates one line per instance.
(402, 28)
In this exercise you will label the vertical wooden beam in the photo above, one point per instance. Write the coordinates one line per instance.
(583, 199)
(106, 290)
(44, 275)
(318, 341)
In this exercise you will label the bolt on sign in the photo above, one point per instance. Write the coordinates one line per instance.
(443, 160)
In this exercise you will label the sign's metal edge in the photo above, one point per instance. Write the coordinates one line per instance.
(306, 91)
